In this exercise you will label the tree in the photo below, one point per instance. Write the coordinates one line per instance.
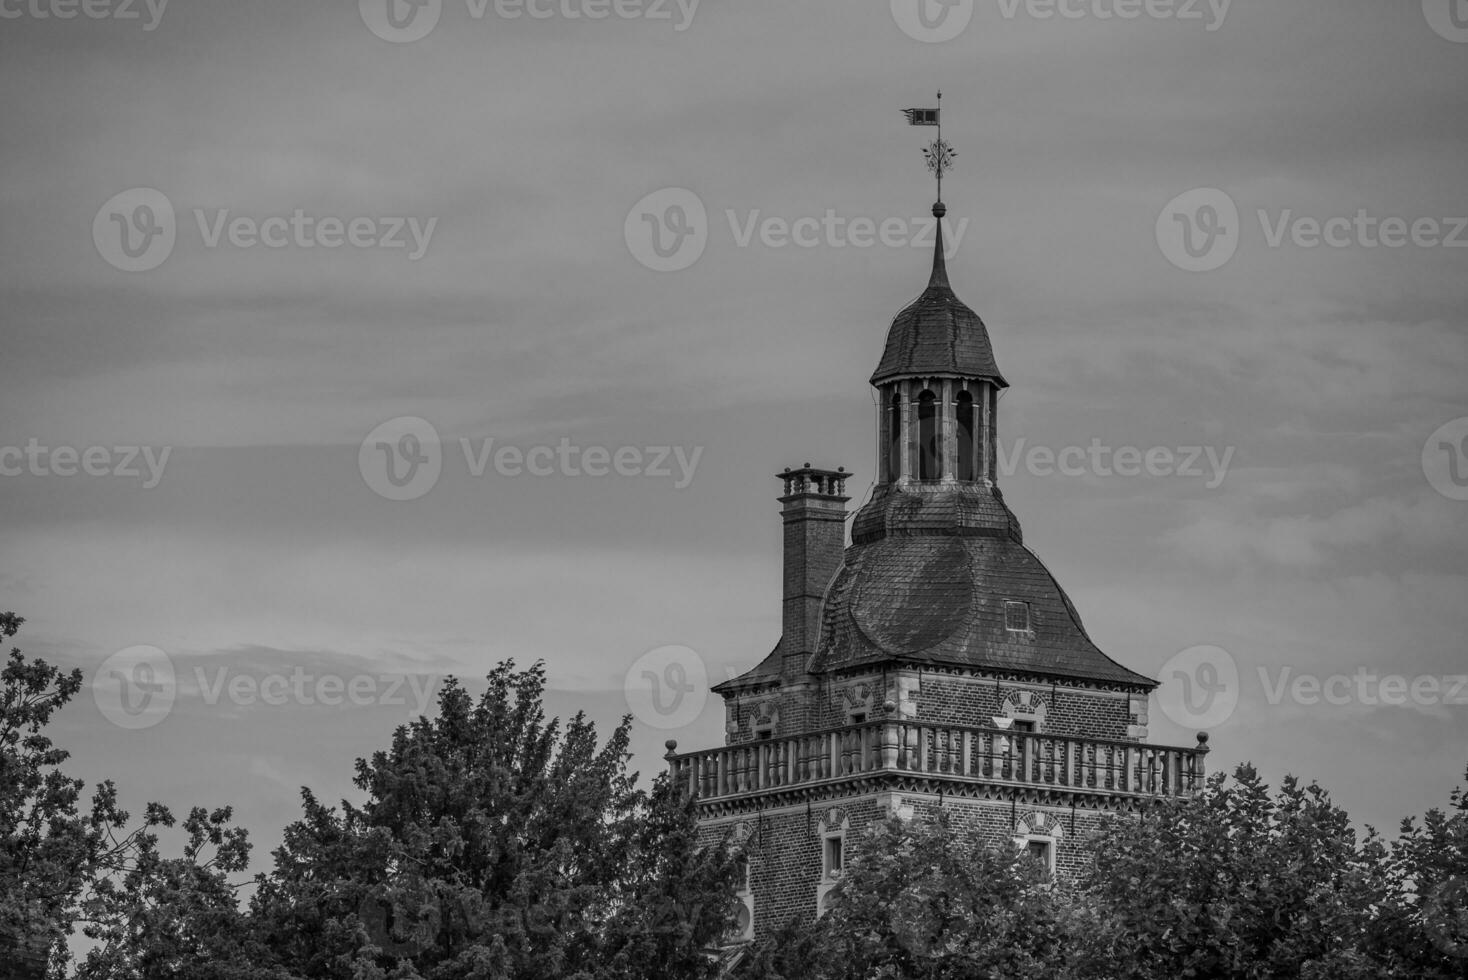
(159, 918)
(1426, 932)
(492, 844)
(920, 900)
(1234, 883)
(61, 865)
(50, 848)
(1238, 884)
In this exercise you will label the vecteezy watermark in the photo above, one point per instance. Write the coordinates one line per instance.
(1199, 687)
(1365, 687)
(667, 687)
(1199, 231)
(38, 460)
(935, 21)
(138, 687)
(1448, 18)
(1211, 13)
(668, 230)
(123, 10)
(135, 688)
(136, 230)
(1124, 461)
(403, 458)
(309, 689)
(404, 21)
(1445, 459)
(932, 21)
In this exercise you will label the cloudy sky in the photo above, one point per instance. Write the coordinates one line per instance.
(1145, 200)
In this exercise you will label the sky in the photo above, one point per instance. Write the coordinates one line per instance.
(256, 237)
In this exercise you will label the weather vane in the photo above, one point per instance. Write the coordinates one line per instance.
(938, 153)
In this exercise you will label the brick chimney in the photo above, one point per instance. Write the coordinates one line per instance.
(815, 538)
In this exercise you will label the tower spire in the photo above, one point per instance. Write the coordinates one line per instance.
(940, 265)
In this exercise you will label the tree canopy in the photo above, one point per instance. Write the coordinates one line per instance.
(491, 842)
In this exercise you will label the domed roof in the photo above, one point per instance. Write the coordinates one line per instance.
(937, 334)
(941, 599)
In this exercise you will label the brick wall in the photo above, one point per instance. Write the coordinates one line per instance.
(944, 698)
(784, 846)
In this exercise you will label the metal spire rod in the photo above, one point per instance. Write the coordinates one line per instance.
(940, 143)
(938, 153)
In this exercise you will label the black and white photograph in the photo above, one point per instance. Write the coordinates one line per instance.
(759, 489)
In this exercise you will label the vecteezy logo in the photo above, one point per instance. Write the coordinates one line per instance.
(1445, 459)
(1449, 18)
(1199, 231)
(667, 687)
(400, 21)
(135, 230)
(667, 230)
(932, 21)
(135, 688)
(402, 458)
(1200, 687)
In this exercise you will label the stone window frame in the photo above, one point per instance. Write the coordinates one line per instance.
(744, 890)
(764, 719)
(1023, 705)
(1040, 828)
(834, 825)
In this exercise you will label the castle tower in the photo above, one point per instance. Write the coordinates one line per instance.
(935, 662)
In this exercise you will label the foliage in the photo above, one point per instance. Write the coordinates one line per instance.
(495, 844)
(922, 900)
(62, 865)
(492, 844)
(1235, 883)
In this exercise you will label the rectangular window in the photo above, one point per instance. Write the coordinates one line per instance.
(764, 733)
(833, 856)
(858, 717)
(1022, 726)
(1040, 851)
(1017, 616)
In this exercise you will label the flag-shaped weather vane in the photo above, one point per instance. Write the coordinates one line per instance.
(938, 153)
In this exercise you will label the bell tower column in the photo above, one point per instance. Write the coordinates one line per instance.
(948, 429)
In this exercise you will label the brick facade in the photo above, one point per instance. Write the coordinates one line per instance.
(952, 697)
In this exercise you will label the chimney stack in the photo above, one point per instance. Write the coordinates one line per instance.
(815, 539)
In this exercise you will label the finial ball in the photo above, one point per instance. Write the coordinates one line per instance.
(940, 209)
(1202, 738)
(672, 744)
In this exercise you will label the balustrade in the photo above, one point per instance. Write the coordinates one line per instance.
(958, 751)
